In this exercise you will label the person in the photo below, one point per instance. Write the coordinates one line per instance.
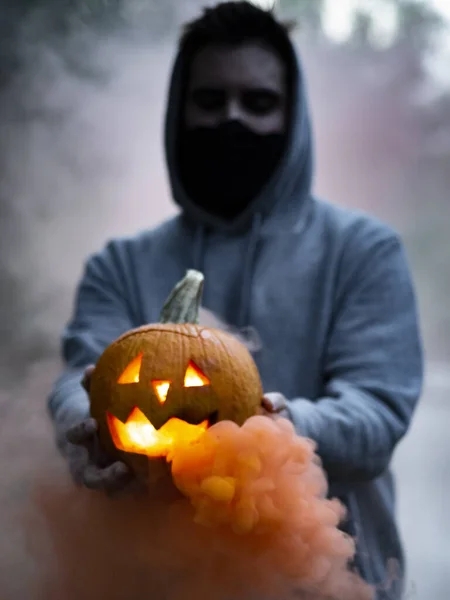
(328, 290)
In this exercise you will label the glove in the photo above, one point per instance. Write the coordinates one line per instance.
(88, 463)
(274, 405)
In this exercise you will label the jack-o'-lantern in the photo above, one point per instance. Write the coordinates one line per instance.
(171, 380)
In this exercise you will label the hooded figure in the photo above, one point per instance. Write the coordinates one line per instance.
(327, 290)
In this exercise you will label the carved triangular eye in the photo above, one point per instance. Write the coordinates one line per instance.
(194, 376)
(131, 373)
(161, 390)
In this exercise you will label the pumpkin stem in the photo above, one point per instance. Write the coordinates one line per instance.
(183, 303)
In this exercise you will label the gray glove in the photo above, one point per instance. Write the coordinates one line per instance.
(88, 463)
(274, 404)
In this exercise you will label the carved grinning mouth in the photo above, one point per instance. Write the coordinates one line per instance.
(138, 436)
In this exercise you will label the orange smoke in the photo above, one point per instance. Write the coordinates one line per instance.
(252, 522)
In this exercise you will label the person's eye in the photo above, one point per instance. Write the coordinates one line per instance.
(210, 100)
(261, 101)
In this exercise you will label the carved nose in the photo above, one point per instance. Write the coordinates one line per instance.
(161, 389)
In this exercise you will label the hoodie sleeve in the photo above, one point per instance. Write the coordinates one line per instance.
(100, 315)
(373, 368)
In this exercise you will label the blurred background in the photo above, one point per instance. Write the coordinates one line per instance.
(82, 92)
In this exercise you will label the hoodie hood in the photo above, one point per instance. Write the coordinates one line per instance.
(289, 186)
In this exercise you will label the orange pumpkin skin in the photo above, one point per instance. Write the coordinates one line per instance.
(233, 392)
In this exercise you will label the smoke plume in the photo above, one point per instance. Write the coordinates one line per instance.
(252, 522)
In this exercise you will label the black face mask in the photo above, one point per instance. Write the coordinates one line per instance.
(223, 168)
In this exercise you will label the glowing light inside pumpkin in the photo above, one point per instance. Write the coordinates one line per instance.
(161, 390)
(139, 436)
(194, 377)
(131, 373)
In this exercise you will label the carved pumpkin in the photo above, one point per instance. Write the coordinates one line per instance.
(171, 380)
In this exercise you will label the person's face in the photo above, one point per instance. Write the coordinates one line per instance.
(246, 83)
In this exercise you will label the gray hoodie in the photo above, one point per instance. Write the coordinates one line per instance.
(330, 294)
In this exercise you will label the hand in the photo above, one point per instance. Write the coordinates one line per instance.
(88, 463)
(274, 405)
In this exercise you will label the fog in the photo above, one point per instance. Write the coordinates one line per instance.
(81, 161)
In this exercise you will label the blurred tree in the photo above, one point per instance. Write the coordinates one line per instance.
(418, 22)
(61, 24)
(306, 12)
(362, 28)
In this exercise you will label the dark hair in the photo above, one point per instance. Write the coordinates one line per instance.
(234, 23)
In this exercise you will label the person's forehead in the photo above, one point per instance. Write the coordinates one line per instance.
(246, 65)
